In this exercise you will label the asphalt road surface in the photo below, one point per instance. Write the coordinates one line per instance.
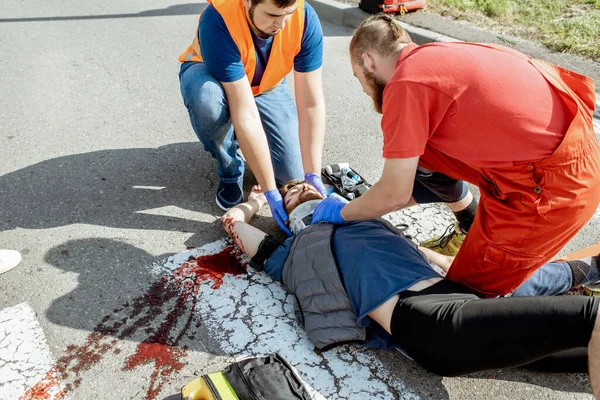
(108, 195)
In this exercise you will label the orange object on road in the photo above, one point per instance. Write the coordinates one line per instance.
(401, 7)
(391, 6)
(528, 211)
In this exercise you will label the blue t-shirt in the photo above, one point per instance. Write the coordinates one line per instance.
(222, 56)
(375, 264)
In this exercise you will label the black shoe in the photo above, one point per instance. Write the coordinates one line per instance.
(229, 195)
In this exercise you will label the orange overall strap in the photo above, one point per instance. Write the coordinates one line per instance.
(590, 251)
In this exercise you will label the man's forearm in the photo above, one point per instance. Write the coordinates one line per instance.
(376, 202)
(253, 142)
(249, 131)
(310, 102)
(391, 192)
(311, 130)
(243, 212)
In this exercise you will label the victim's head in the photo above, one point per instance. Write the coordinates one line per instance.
(295, 193)
(374, 50)
(268, 17)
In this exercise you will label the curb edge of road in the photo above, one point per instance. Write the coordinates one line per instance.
(351, 17)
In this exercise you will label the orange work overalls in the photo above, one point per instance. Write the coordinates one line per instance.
(529, 211)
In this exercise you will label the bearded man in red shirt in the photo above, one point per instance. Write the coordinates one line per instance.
(518, 128)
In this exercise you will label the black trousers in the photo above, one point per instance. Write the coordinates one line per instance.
(451, 331)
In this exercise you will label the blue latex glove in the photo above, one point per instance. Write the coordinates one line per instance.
(317, 182)
(278, 210)
(329, 210)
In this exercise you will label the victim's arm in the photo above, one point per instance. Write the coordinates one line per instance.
(236, 223)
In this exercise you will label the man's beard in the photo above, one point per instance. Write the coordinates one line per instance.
(251, 15)
(306, 196)
(377, 86)
(309, 195)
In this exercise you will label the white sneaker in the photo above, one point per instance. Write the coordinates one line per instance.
(8, 260)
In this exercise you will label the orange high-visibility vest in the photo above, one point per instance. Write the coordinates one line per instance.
(286, 44)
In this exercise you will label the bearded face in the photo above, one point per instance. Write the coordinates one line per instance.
(372, 85)
(296, 193)
(376, 87)
(308, 196)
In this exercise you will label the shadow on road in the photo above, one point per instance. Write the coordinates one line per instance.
(118, 299)
(561, 382)
(180, 9)
(145, 188)
(110, 273)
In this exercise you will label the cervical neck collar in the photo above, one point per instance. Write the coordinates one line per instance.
(301, 216)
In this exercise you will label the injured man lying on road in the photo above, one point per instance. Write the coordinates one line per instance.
(364, 282)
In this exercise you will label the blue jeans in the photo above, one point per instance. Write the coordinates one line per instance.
(435, 187)
(551, 279)
(207, 106)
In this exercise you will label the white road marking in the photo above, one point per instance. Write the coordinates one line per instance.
(25, 357)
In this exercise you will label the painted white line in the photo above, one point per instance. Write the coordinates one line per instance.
(253, 315)
(149, 187)
(25, 357)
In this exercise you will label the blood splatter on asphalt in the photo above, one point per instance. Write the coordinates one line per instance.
(46, 388)
(177, 295)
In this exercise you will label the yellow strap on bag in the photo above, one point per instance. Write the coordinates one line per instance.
(591, 291)
(209, 387)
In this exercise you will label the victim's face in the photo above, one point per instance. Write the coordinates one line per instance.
(300, 193)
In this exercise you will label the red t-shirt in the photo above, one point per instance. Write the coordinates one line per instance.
(481, 106)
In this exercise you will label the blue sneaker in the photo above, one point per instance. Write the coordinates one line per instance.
(229, 195)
